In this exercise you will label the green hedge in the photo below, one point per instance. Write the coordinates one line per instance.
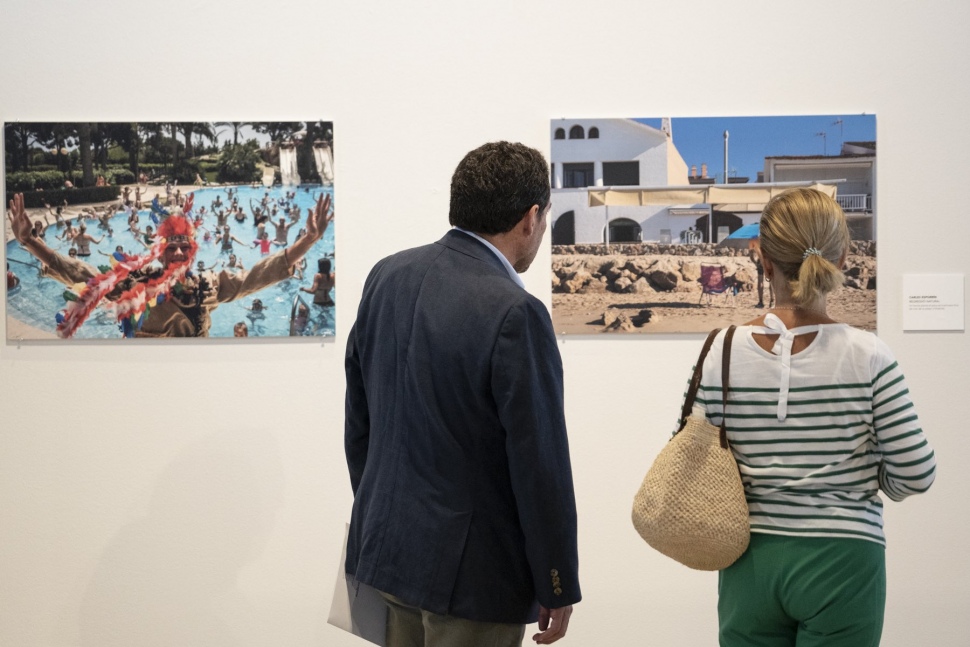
(30, 180)
(36, 199)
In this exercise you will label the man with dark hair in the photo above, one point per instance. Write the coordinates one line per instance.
(464, 515)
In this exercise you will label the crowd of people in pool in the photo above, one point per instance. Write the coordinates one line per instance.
(209, 224)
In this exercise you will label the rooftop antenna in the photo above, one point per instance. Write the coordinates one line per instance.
(823, 136)
(726, 135)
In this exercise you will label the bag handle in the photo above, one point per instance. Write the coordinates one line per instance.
(695, 380)
(725, 382)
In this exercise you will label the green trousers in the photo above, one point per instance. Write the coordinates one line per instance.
(803, 592)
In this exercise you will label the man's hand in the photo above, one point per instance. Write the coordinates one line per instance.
(319, 218)
(552, 624)
(316, 223)
(19, 221)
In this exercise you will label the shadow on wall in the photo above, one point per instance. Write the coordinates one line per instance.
(170, 578)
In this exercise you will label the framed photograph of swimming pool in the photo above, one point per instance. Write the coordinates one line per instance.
(655, 221)
(185, 229)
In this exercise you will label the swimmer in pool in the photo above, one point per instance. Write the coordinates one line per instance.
(226, 238)
(12, 279)
(82, 240)
(234, 263)
(282, 229)
(323, 282)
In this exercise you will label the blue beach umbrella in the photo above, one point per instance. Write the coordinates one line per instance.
(741, 236)
(747, 232)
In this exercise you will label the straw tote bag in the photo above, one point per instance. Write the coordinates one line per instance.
(691, 505)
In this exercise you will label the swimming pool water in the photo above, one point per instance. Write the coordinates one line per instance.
(40, 298)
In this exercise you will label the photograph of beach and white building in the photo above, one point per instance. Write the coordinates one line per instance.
(654, 220)
(185, 229)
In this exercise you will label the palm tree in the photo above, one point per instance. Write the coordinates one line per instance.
(236, 126)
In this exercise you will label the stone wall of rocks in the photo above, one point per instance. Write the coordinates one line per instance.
(645, 273)
(857, 248)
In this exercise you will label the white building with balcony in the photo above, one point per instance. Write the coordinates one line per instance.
(855, 171)
(603, 153)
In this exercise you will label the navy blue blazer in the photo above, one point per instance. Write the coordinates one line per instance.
(456, 439)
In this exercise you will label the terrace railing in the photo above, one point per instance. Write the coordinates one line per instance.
(855, 202)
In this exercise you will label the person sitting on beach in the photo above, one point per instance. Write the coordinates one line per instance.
(323, 281)
(82, 240)
(12, 279)
(182, 306)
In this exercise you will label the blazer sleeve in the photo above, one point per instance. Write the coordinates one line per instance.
(527, 384)
(356, 414)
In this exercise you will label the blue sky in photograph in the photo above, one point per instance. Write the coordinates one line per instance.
(700, 140)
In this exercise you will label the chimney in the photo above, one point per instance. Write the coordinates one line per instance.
(693, 171)
(703, 170)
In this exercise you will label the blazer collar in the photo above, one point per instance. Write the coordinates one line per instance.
(465, 244)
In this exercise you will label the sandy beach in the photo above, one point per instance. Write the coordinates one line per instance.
(596, 308)
(583, 314)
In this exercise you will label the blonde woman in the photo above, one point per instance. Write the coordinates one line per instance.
(820, 420)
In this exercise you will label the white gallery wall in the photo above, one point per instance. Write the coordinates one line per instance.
(194, 493)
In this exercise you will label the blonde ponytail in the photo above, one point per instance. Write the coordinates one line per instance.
(804, 233)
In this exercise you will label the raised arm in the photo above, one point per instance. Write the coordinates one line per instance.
(318, 219)
(74, 270)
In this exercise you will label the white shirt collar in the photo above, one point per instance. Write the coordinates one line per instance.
(505, 262)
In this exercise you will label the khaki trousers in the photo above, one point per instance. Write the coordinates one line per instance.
(409, 626)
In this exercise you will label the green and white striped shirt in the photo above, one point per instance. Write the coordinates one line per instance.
(817, 434)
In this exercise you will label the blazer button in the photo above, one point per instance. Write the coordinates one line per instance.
(557, 591)
(554, 572)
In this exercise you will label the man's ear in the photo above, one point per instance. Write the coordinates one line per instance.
(530, 220)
